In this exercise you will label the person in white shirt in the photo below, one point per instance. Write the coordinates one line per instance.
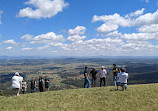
(102, 76)
(122, 78)
(16, 83)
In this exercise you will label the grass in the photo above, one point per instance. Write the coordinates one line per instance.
(136, 98)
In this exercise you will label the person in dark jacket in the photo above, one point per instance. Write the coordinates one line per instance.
(94, 76)
(33, 85)
(47, 82)
(40, 84)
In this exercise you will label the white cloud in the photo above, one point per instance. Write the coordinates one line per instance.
(136, 13)
(105, 28)
(79, 30)
(43, 47)
(147, 19)
(140, 36)
(149, 28)
(9, 48)
(114, 34)
(117, 20)
(27, 37)
(43, 8)
(76, 38)
(26, 49)
(12, 42)
(75, 34)
(47, 38)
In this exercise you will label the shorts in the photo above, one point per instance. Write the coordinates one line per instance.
(94, 79)
(123, 85)
(23, 89)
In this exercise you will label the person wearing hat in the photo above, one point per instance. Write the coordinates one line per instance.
(94, 75)
(102, 76)
(16, 83)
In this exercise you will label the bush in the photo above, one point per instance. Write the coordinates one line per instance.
(1, 93)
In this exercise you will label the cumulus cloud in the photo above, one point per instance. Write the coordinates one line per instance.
(46, 38)
(27, 37)
(43, 47)
(76, 38)
(79, 30)
(149, 28)
(9, 48)
(140, 36)
(124, 21)
(75, 34)
(12, 42)
(43, 8)
(114, 34)
(136, 13)
(26, 49)
(105, 28)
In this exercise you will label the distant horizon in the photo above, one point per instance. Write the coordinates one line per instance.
(76, 57)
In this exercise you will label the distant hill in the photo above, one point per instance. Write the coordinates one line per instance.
(136, 98)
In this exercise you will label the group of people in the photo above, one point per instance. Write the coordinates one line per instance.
(119, 77)
(18, 83)
(41, 83)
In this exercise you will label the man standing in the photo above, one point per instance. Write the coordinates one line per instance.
(47, 82)
(102, 76)
(87, 81)
(94, 77)
(115, 71)
(33, 85)
(16, 83)
(122, 78)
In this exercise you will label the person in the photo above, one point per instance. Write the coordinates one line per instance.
(102, 76)
(47, 83)
(24, 86)
(16, 83)
(115, 71)
(94, 76)
(40, 84)
(87, 81)
(33, 85)
(122, 78)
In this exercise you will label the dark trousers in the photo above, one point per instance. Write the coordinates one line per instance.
(41, 89)
(102, 79)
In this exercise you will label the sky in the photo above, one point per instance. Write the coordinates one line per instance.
(78, 28)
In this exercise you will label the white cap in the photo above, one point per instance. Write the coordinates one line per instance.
(17, 74)
(102, 66)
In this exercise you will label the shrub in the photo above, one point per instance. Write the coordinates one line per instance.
(1, 93)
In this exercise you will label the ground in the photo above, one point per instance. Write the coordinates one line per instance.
(136, 98)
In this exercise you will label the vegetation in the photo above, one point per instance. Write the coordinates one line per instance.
(136, 98)
(1, 93)
(67, 73)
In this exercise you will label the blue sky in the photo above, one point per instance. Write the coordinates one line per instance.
(79, 27)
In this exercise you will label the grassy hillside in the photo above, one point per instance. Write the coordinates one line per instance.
(136, 98)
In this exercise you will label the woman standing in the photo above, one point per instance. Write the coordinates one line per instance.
(16, 83)
(40, 83)
(33, 85)
(47, 83)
